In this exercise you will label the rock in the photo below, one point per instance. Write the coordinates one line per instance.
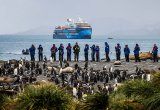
(67, 70)
(52, 67)
(143, 56)
(13, 61)
(117, 63)
(7, 79)
(147, 71)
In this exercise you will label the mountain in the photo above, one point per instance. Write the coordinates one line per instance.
(43, 30)
(106, 26)
(120, 27)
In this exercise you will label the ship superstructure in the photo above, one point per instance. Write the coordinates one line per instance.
(73, 30)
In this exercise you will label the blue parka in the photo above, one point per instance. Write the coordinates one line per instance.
(86, 49)
(126, 51)
(136, 50)
(32, 50)
(107, 50)
(93, 49)
(97, 49)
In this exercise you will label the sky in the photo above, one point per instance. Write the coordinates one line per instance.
(105, 16)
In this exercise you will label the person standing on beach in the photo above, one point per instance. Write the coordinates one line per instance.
(53, 52)
(107, 52)
(126, 53)
(136, 53)
(32, 50)
(76, 50)
(69, 49)
(118, 52)
(86, 49)
(40, 53)
(155, 53)
(93, 52)
(97, 53)
(61, 52)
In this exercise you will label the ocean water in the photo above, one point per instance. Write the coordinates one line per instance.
(11, 45)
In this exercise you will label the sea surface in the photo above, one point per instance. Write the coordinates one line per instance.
(11, 46)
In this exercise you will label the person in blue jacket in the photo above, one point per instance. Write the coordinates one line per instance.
(61, 52)
(118, 52)
(136, 53)
(32, 50)
(93, 52)
(107, 50)
(126, 53)
(69, 50)
(155, 53)
(97, 53)
(86, 49)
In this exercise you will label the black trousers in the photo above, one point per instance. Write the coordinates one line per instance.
(76, 56)
(97, 58)
(93, 56)
(60, 57)
(137, 59)
(118, 56)
(53, 55)
(127, 57)
(40, 56)
(86, 56)
(107, 57)
(155, 57)
(32, 58)
(68, 56)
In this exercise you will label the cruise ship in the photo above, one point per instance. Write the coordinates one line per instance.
(73, 30)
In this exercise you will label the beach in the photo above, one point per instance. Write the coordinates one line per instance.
(130, 67)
